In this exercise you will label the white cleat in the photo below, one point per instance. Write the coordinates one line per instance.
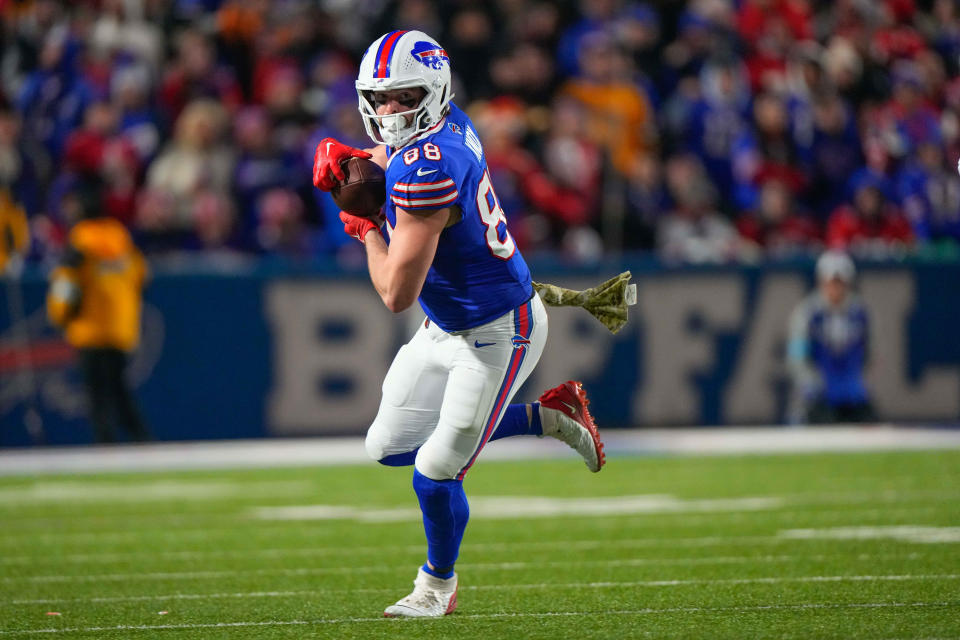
(564, 416)
(432, 597)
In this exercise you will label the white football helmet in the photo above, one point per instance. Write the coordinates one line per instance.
(401, 60)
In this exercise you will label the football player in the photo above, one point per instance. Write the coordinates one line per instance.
(444, 240)
(828, 348)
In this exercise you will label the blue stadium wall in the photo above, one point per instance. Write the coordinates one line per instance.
(282, 351)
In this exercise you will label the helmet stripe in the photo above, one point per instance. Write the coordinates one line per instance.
(385, 52)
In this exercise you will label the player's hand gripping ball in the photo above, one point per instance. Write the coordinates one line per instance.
(363, 191)
(328, 162)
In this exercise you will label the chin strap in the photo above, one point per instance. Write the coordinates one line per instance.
(607, 302)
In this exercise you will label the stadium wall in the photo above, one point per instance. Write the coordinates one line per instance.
(287, 351)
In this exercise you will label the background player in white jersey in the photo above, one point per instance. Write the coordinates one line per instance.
(445, 241)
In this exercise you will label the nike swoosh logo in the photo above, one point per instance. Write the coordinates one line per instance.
(479, 344)
(572, 408)
(421, 172)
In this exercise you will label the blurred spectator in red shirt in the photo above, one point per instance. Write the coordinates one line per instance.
(569, 193)
(871, 226)
(538, 202)
(758, 18)
(896, 37)
(769, 27)
(99, 148)
(775, 227)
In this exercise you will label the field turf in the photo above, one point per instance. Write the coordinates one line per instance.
(788, 546)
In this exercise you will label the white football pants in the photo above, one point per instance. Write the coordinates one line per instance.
(446, 393)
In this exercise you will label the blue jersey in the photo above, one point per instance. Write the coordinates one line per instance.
(838, 343)
(477, 273)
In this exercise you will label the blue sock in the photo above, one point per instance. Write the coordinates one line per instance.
(444, 573)
(445, 515)
(515, 422)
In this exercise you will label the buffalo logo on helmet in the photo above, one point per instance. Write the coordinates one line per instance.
(430, 54)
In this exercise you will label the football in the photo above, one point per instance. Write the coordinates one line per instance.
(363, 192)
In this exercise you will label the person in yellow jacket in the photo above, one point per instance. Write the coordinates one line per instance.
(95, 296)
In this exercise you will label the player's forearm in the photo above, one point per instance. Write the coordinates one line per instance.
(398, 288)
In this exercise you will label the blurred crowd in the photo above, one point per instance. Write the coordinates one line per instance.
(707, 131)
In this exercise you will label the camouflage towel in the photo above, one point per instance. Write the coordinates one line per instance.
(607, 302)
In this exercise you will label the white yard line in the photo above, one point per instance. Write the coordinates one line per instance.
(906, 533)
(495, 587)
(784, 537)
(186, 525)
(481, 616)
(381, 568)
(488, 566)
(53, 491)
(524, 507)
(239, 454)
(386, 550)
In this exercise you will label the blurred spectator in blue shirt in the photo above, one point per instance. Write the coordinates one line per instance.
(261, 166)
(17, 172)
(139, 122)
(930, 194)
(835, 153)
(718, 120)
(828, 348)
(54, 97)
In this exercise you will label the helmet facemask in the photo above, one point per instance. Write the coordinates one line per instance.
(392, 129)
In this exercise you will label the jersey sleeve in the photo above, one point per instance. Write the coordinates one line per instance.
(423, 188)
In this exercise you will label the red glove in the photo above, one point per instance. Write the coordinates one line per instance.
(326, 162)
(357, 227)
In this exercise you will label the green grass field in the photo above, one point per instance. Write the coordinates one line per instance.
(805, 546)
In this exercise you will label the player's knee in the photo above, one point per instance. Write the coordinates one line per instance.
(378, 448)
(376, 443)
(435, 467)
